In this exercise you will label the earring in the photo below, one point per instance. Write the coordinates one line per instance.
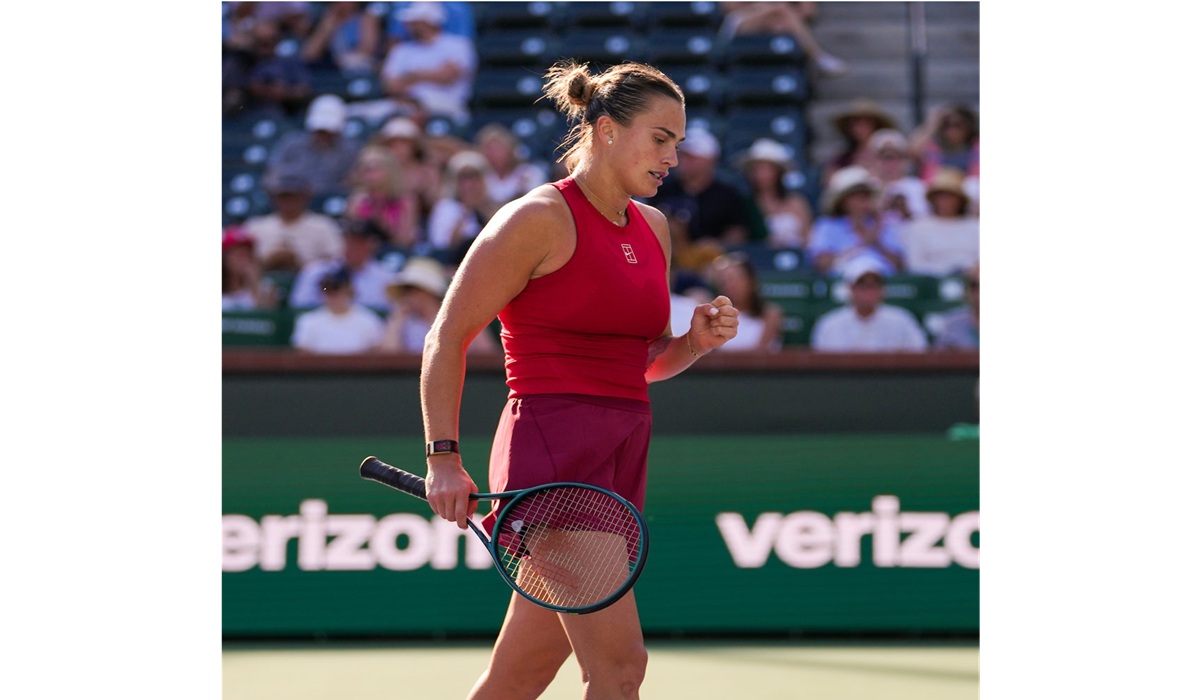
(610, 142)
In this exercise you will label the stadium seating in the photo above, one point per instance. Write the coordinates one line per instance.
(498, 15)
(624, 16)
(766, 85)
(754, 49)
(702, 86)
(507, 86)
(785, 124)
(522, 46)
(603, 46)
(664, 15)
(739, 88)
(689, 45)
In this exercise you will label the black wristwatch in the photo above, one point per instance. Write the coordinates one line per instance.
(441, 447)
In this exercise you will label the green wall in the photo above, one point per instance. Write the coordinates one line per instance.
(750, 533)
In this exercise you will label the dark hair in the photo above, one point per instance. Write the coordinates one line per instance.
(965, 113)
(622, 92)
(739, 259)
(337, 278)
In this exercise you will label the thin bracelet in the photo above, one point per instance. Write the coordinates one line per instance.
(688, 335)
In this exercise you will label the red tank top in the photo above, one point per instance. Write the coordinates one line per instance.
(586, 327)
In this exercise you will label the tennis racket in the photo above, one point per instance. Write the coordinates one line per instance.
(573, 548)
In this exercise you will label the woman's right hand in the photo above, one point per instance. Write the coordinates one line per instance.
(448, 488)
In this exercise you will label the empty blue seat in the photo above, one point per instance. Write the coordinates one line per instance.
(762, 49)
(774, 85)
(785, 124)
(679, 46)
(660, 15)
(702, 85)
(530, 46)
(494, 15)
(603, 45)
(507, 87)
(628, 16)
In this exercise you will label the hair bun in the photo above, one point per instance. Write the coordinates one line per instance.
(581, 87)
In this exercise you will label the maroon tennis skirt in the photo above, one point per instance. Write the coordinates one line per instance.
(594, 440)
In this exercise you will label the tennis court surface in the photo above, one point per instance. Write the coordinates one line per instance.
(755, 670)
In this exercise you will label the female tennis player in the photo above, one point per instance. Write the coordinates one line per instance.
(577, 272)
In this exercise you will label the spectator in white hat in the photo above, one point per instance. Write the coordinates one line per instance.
(851, 225)
(416, 294)
(865, 323)
(706, 212)
(466, 206)
(891, 163)
(406, 140)
(433, 73)
(322, 152)
(460, 21)
(785, 214)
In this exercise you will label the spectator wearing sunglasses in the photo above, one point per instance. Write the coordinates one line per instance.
(949, 139)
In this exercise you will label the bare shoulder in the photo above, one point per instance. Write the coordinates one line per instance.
(536, 228)
(654, 217)
(658, 223)
(540, 212)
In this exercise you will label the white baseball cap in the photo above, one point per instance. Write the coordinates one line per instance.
(431, 12)
(423, 273)
(768, 150)
(699, 142)
(859, 266)
(326, 113)
(400, 128)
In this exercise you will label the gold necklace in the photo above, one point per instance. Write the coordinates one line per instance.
(620, 212)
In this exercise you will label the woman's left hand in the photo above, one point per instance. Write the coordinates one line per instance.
(713, 324)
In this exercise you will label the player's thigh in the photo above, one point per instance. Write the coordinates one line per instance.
(531, 638)
(609, 638)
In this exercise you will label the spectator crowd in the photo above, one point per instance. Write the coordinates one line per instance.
(370, 276)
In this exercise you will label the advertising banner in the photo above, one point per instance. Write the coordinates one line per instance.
(749, 534)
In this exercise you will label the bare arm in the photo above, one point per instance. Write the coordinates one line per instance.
(318, 41)
(369, 32)
(772, 335)
(444, 74)
(518, 244)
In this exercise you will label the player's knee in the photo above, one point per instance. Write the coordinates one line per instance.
(625, 671)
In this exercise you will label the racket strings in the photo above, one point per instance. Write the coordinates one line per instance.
(570, 547)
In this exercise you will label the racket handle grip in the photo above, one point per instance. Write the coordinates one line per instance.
(375, 470)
